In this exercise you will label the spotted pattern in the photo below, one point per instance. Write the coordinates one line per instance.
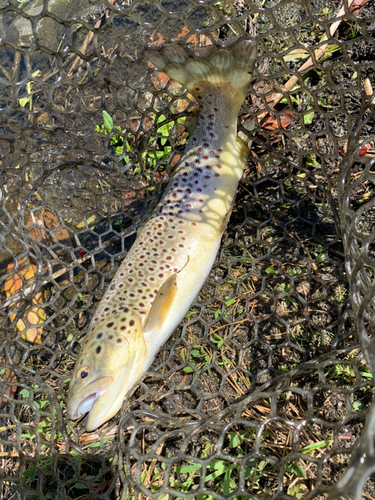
(165, 243)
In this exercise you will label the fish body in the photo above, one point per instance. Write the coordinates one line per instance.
(175, 250)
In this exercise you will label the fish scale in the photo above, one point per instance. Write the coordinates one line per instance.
(175, 250)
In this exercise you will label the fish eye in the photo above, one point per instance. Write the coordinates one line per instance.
(83, 373)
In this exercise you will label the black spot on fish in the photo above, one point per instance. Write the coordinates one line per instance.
(131, 322)
(98, 349)
(99, 336)
(109, 325)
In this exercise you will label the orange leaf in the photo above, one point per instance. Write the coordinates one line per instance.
(34, 315)
(271, 123)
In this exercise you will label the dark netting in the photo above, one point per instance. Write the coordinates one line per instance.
(266, 388)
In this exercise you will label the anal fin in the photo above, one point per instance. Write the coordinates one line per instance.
(161, 306)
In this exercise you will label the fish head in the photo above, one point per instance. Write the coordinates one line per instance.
(110, 363)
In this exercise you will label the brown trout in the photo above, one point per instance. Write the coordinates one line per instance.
(175, 250)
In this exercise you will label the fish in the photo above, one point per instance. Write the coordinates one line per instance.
(175, 250)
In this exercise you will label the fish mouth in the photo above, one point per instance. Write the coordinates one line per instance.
(93, 391)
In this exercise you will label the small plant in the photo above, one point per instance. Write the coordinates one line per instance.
(158, 148)
(320, 252)
(24, 101)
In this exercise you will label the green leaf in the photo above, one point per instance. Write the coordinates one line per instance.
(25, 393)
(271, 270)
(80, 486)
(296, 55)
(296, 469)
(23, 101)
(311, 161)
(234, 439)
(315, 446)
(307, 119)
(108, 122)
(188, 468)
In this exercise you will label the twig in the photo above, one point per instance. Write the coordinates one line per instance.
(308, 64)
(86, 42)
(150, 470)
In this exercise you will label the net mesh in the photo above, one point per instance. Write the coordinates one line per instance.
(266, 387)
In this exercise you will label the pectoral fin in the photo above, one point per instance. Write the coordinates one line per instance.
(162, 304)
(192, 120)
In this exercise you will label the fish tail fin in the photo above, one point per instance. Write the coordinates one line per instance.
(224, 64)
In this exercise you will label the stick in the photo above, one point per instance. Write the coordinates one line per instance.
(308, 64)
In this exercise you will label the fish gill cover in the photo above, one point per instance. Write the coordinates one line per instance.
(265, 389)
